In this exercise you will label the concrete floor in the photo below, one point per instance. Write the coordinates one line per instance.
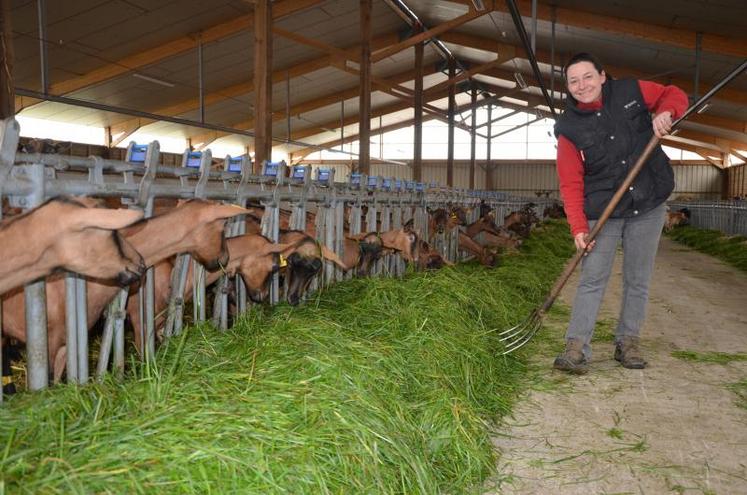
(672, 428)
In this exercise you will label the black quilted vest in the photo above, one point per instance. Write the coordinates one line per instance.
(610, 140)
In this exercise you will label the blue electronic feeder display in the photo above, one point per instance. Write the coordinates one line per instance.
(355, 179)
(397, 185)
(137, 153)
(234, 165)
(323, 175)
(409, 186)
(299, 172)
(193, 159)
(420, 187)
(387, 186)
(373, 181)
(271, 169)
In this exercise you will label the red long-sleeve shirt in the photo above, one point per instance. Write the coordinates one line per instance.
(658, 98)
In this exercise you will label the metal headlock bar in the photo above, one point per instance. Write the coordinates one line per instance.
(28, 179)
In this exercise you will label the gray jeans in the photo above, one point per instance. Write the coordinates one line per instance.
(640, 239)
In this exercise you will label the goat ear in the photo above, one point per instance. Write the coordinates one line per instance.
(330, 255)
(104, 218)
(356, 237)
(228, 211)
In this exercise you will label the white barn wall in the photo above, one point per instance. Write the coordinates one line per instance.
(697, 182)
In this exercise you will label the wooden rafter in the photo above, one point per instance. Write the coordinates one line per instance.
(682, 38)
(243, 88)
(280, 9)
(425, 35)
(544, 56)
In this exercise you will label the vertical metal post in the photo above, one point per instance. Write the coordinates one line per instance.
(287, 106)
(698, 49)
(71, 326)
(473, 139)
(41, 7)
(342, 125)
(37, 355)
(552, 54)
(451, 111)
(534, 26)
(488, 163)
(81, 304)
(36, 335)
(201, 79)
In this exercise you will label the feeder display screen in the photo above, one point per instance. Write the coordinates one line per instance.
(137, 153)
(299, 172)
(234, 165)
(397, 185)
(373, 181)
(193, 159)
(271, 169)
(420, 187)
(355, 179)
(323, 175)
(409, 185)
(387, 186)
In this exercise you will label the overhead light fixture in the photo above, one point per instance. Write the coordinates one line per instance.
(704, 107)
(520, 80)
(153, 80)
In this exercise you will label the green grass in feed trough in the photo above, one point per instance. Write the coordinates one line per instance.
(731, 249)
(371, 386)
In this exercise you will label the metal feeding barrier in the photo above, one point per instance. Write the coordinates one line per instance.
(29, 179)
(729, 217)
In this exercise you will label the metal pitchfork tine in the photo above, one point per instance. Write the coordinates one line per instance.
(516, 337)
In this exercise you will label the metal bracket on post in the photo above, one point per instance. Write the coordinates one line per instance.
(271, 220)
(199, 296)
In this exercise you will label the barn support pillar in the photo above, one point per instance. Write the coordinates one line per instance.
(262, 83)
(452, 107)
(364, 160)
(473, 139)
(417, 163)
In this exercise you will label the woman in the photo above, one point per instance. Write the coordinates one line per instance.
(604, 129)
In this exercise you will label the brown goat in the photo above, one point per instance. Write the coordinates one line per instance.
(67, 234)
(195, 227)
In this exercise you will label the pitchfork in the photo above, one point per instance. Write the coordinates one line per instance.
(516, 337)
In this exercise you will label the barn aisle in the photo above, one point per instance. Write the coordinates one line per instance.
(674, 427)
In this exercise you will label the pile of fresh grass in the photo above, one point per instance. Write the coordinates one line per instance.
(373, 386)
(731, 249)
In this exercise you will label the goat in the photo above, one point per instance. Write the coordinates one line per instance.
(68, 234)
(195, 226)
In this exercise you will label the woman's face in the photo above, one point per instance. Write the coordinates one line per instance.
(584, 82)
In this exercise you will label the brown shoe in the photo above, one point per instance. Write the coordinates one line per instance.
(572, 360)
(628, 353)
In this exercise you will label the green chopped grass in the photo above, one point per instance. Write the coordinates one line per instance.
(732, 250)
(710, 357)
(740, 388)
(371, 386)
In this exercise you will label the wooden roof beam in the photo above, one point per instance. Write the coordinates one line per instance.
(543, 56)
(243, 88)
(681, 38)
(280, 9)
(425, 35)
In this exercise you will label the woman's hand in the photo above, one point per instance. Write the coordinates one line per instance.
(662, 124)
(580, 241)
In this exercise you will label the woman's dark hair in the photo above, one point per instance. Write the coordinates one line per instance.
(582, 57)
